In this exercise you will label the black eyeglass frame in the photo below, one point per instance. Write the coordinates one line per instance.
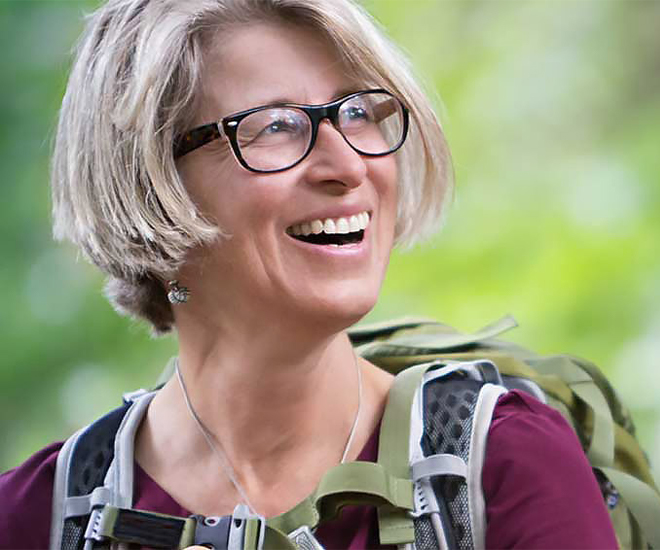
(228, 126)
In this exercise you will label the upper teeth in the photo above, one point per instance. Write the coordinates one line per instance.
(331, 226)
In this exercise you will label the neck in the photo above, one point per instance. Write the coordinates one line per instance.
(280, 408)
(278, 398)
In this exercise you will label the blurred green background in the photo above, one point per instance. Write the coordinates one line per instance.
(551, 108)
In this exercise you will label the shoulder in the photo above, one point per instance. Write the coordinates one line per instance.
(521, 415)
(539, 487)
(25, 500)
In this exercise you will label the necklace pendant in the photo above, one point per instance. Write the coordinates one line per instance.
(304, 539)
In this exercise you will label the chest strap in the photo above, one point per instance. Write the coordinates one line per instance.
(240, 531)
(352, 483)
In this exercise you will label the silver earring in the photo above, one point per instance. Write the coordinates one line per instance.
(177, 294)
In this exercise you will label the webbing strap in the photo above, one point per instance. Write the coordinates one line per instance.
(601, 447)
(642, 501)
(304, 513)
(154, 530)
(395, 524)
(435, 341)
(395, 426)
(276, 540)
(361, 483)
(348, 483)
(253, 534)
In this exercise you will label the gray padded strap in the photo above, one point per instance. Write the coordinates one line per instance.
(59, 491)
(119, 478)
(439, 465)
(483, 415)
(118, 485)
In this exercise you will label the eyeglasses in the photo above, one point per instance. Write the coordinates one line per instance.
(273, 138)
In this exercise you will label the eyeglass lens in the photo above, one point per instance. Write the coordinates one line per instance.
(277, 137)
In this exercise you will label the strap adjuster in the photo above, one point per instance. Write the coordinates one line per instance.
(304, 539)
(425, 499)
(97, 526)
(150, 529)
(247, 530)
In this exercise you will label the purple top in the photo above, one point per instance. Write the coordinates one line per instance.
(539, 489)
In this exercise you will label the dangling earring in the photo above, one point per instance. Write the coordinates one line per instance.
(177, 294)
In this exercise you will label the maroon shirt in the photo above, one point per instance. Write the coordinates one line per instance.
(538, 485)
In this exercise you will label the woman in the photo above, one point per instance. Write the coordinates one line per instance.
(259, 239)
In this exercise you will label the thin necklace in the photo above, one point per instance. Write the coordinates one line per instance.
(215, 446)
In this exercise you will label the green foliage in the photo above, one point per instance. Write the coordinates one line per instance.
(551, 110)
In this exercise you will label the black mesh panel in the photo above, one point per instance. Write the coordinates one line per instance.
(424, 534)
(449, 404)
(72, 535)
(93, 453)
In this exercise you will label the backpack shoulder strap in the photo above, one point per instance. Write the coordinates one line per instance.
(395, 525)
(444, 411)
(456, 409)
(81, 467)
(94, 468)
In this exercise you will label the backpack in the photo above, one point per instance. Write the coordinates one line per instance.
(427, 480)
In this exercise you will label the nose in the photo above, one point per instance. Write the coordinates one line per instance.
(332, 160)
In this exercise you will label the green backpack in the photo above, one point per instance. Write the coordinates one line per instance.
(573, 386)
(427, 495)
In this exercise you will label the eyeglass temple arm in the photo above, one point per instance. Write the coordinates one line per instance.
(197, 137)
(385, 109)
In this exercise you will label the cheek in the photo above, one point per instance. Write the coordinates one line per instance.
(386, 174)
(207, 180)
(385, 178)
(230, 196)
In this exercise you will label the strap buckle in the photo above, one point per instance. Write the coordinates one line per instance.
(212, 531)
(101, 521)
(304, 539)
(247, 530)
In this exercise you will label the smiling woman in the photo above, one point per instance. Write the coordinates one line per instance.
(326, 181)
(241, 170)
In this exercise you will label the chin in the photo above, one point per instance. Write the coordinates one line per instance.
(341, 310)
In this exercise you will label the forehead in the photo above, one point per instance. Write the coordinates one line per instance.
(266, 63)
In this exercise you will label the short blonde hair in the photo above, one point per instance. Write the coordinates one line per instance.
(134, 88)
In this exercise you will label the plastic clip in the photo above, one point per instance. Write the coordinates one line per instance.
(304, 539)
(212, 531)
(242, 529)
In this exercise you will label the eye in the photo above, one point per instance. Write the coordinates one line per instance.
(271, 127)
(282, 125)
(357, 112)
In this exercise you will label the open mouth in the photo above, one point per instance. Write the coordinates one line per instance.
(332, 231)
